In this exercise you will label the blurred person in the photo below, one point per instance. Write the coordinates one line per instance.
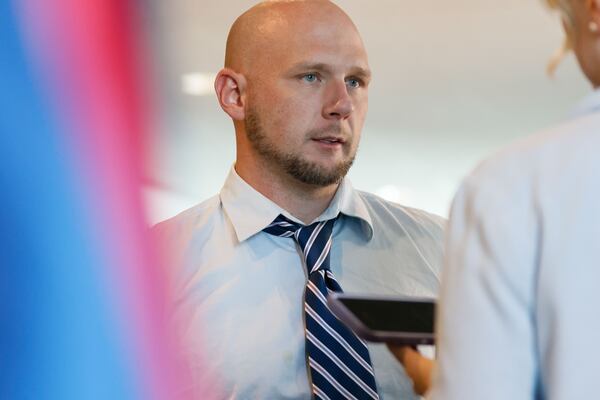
(82, 301)
(252, 265)
(519, 297)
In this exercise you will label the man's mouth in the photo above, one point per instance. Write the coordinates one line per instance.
(330, 140)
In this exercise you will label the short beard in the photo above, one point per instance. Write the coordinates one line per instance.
(304, 171)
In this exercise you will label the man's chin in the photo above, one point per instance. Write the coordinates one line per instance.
(318, 174)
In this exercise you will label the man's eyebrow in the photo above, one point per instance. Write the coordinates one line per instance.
(357, 71)
(309, 66)
(360, 72)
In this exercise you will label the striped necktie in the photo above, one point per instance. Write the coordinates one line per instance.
(339, 362)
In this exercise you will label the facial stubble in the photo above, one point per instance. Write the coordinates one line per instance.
(294, 165)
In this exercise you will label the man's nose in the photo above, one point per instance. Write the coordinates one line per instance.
(338, 104)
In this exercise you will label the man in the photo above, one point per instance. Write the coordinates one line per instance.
(250, 291)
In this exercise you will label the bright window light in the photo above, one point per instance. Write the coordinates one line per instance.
(197, 84)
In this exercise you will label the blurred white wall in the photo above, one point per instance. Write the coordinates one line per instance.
(453, 81)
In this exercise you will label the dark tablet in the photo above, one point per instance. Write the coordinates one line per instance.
(401, 320)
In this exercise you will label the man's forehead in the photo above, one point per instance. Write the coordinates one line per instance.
(317, 43)
(357, 67)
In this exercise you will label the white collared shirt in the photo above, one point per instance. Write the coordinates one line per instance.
(520, 293)
(240, 291)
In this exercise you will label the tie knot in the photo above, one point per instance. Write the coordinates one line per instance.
(282, 226)
(313, 239)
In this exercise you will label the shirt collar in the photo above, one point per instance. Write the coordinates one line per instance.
(589, 104)
(250, 212)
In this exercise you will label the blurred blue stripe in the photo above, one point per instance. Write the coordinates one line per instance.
(57, 338)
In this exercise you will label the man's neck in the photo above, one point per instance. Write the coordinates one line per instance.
(305, 202)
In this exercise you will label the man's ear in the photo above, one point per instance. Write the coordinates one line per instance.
(230, 88)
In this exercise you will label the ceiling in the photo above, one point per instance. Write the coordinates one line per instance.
(452, 82)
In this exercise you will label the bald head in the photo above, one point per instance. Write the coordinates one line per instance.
(295, 84)
(272, 27)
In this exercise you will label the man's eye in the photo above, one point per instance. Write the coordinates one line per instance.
(310, 77)
(353, 83)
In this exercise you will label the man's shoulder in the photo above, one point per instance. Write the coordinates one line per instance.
(193, 218)
(387, 212)
(416, 236)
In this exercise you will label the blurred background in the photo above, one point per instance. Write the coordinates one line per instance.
(452, 82)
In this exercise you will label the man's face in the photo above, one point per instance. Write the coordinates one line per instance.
(307, 100)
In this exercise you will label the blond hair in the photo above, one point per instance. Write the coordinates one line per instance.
(565, 10)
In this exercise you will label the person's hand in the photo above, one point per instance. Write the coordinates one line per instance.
(417, 367)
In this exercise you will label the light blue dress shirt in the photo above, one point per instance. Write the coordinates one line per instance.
(240, 291)
(519, 305)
